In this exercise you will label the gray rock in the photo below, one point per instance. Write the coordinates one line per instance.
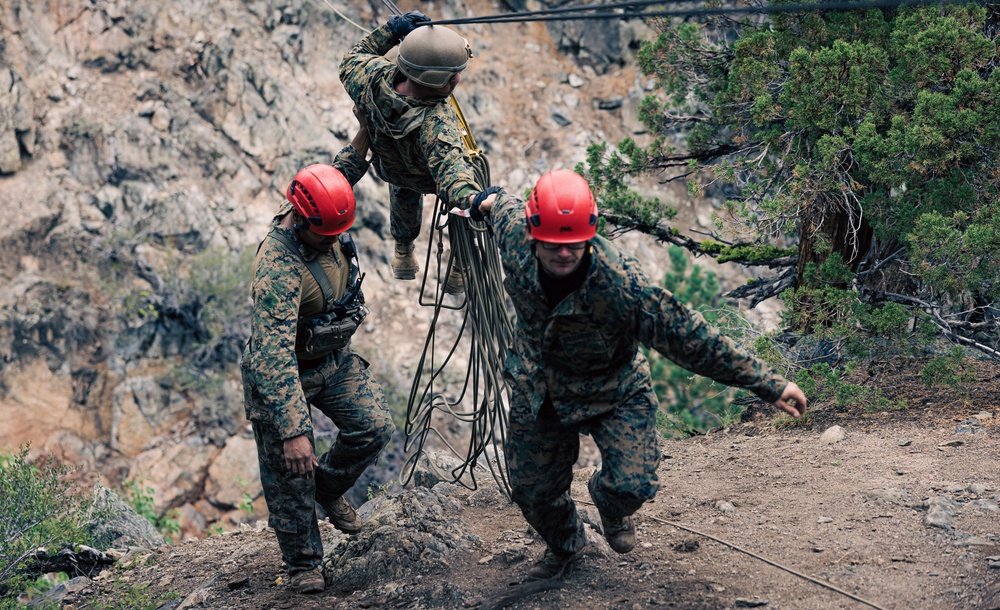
(833, 434)
(726, 508)
(630, 113)
(417, 529)
(612, 103)
(561, 119)
(940, 512)
(59, 592)
(889, 496)
(115, 524)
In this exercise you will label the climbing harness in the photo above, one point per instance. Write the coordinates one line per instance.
(317, 336)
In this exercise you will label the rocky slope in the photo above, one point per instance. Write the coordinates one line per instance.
(144, 147)
(897, 511)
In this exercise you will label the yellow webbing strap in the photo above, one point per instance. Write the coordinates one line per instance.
(467, 138)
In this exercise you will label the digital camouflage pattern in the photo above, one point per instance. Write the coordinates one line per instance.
(578, 369)
(344, 390)
(416, 142)
(406, 213)
(280, 281)
(278, 393)
(585, 354)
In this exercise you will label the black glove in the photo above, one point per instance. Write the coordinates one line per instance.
(401, 25)
(474, 212)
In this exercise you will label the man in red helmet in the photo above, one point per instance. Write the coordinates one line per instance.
(574, 367)
(307, 303)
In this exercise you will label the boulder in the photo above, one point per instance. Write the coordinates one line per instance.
(115, 524)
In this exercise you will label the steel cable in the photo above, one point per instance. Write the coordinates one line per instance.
(625, 10)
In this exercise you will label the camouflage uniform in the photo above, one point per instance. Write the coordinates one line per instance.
(577, 369)
(416, 142)
(279, 388)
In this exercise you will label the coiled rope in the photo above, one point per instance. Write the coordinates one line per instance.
(484, 332)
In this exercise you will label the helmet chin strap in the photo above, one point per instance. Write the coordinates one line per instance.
(297, 224)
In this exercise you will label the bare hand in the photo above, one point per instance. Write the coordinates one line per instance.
(299, 456)
(360, 116)
(792, 393)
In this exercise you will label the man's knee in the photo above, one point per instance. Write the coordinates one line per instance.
(623, 495)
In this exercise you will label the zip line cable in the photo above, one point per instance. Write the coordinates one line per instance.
(605, 11)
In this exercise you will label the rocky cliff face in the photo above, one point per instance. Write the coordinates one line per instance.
(143, 148)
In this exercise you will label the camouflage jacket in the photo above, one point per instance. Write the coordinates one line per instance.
(585, 353)
(416, 141)
(269, 361)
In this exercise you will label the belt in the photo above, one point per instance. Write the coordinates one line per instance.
(305, 365)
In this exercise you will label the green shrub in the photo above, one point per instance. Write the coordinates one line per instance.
(123, 596)
(948, 370)
(140, 498)
(39, 507)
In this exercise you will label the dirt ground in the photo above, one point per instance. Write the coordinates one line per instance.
(752, 516)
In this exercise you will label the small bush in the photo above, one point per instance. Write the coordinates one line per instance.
(39, 507)
(140, 498)
(123, 596)
(948, 370)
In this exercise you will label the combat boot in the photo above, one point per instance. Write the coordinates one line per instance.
(455, 285)
(552, 565)
(404, 263)
(310, 581)
(619, 533)
(343, 516)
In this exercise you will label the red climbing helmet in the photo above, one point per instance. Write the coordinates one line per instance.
(561, 208)
(324, 197)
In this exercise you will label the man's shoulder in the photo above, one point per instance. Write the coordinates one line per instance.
(372, 68)
(616, 266)
(279, 252)
(441, 123)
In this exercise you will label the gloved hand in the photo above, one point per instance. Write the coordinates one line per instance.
(474, 212)
(401, 25)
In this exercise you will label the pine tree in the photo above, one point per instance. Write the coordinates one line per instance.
(870, 136)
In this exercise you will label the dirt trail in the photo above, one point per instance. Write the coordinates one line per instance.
(853, 514)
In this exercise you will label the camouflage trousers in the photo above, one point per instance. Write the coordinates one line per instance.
(406, 209)
(343, 390)
(540, 457)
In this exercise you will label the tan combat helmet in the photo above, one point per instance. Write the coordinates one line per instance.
(430, 55)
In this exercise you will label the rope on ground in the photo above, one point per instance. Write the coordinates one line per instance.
(504, 598)
(767, 561)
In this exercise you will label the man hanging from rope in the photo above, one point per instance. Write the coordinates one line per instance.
(415, 137)
(574, 367)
